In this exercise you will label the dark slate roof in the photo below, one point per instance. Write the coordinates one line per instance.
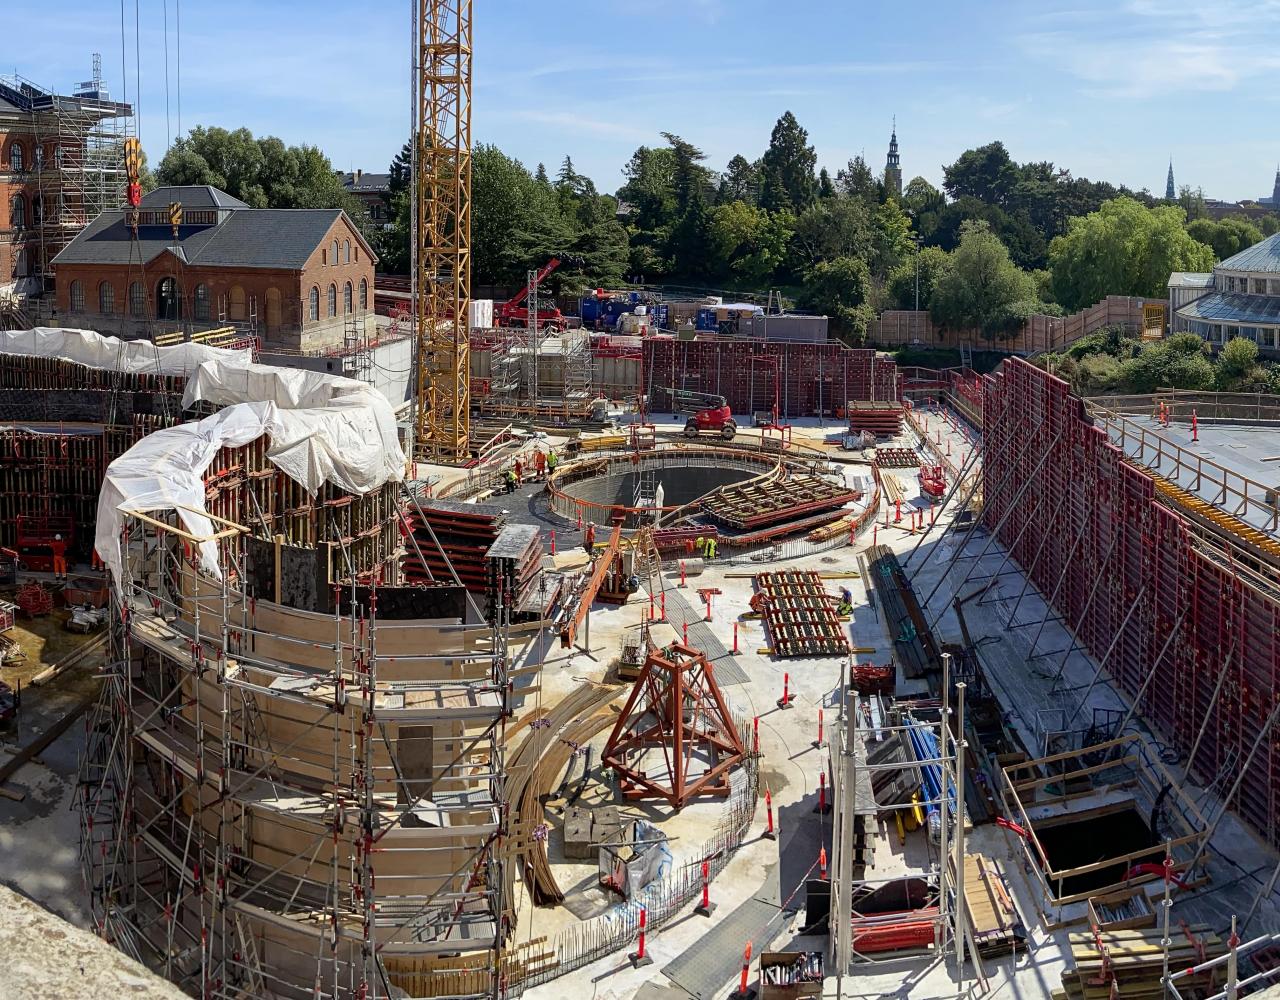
(280, 238)
(1234, 309)
(367, 182)
(1261, 257)
(191, 196)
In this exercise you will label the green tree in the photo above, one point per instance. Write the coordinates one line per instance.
(750, 240)
(857, 181)
(986, 173)
(740, 182)
(786, 169)
(920, 197)
(1228, 237)
(400, 174)
(826, 189)
(1124, 248)
(1269, 224)
(981, 287)
(1191, 201)
(262, 172)
(650, 187)
(1177, 362)
(890, 237)
(902, 280)
(1238, 364)
(839, 289)
(834, 227)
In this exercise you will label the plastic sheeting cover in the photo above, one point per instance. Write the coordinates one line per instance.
(344, 443)
(86, 347)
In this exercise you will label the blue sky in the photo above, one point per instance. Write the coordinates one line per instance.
(1107, 89)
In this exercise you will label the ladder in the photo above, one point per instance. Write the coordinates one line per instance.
(966, 355)
(357, 349)
(256, 987)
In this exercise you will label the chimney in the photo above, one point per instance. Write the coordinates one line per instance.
(359, 174)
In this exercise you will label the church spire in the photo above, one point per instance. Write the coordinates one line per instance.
(1170, 192)
(1275, 191)
(893, 165)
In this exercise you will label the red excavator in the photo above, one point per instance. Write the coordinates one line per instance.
(708, 413)
(513, 312)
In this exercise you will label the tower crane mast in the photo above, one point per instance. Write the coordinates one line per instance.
(442, 230)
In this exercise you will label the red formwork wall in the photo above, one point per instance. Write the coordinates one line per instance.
(1088, 529)
(809, 379)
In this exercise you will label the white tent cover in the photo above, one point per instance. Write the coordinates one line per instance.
(323, 428)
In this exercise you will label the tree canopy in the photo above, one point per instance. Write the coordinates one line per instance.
(1124, 248)
(262, 172)
(980, 288)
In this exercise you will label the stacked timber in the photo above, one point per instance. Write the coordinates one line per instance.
(756, 504)
(914, 647)
(881, 417)
(514, 567)
(897, 458)
(464, 532)
(1129, 963)
(993, 919)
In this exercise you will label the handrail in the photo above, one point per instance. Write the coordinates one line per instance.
(1229, 484)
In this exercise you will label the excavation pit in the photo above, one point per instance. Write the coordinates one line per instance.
(1087, 841)
(625, 488)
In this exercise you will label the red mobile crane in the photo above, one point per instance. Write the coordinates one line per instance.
(513, 312)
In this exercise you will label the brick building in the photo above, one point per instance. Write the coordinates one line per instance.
(300, 279)
(61, 163)
(373, 191)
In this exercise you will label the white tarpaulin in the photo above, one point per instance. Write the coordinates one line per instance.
(85, 347)
(345, 443)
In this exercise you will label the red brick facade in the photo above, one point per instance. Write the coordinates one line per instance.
(277, 302)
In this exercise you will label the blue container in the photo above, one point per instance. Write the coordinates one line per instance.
(706, 319)
(661, 314)
(589, 309)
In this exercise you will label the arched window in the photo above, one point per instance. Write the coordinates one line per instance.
(347, 250)
(313, 304)
(16, 157)
(77, 296)
(106, 298)
(346, 298)
(137, 300)
(333, 253)
(237, 303)
(202, 302)
(273, 309)
(17, 212)
(364, 294)
(333, 300)
(168, 300)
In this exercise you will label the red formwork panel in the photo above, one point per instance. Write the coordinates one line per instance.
(804, 380)
(1140, 593)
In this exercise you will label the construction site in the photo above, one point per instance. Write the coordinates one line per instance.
(671, 649)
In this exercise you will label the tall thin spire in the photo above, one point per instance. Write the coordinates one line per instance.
(893, 165)
(1170, 192)
(1275, 191)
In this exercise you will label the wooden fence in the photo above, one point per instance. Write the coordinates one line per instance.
(911, 328)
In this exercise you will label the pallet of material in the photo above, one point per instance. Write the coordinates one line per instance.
(514, 563)
(993, 918)
(753, 505)
(1128, 964)
(800, 615)
(897, 458)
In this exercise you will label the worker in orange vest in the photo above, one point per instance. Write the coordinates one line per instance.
(519, 467)
(540, 463)
(59, 548)
(589, 540)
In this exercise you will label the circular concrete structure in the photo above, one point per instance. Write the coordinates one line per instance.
(621, 488)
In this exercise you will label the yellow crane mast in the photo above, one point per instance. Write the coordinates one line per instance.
(442, 226)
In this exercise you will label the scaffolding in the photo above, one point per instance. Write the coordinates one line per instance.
(294, 783)
(77, 167)
(1159, 562)
(541, 374)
